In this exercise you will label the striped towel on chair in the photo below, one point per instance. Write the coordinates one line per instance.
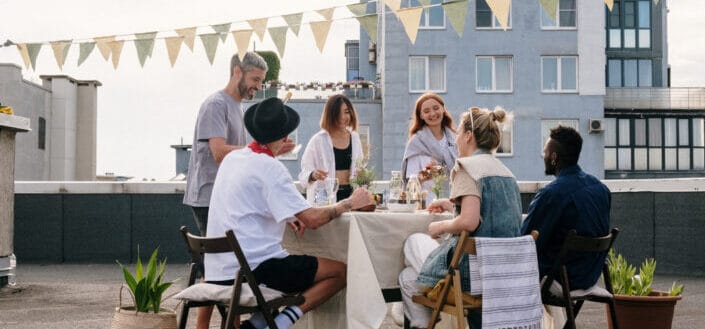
(505, 272)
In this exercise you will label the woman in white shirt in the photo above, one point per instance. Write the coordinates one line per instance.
(333, 151)
(431, 139)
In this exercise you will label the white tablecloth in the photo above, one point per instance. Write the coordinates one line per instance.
(371, 244)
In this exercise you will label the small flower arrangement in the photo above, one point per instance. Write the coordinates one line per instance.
(363, 175)
(436, 172)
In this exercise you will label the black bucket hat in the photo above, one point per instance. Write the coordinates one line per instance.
(270, 120)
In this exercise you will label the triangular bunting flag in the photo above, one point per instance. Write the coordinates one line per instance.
(259, 26)
(294, 22)
(610, 4)
(326, 13)
(550, 7)
(278, 35)
(22, 48)
(242, 41)
(103, 45)
(60, 49)
(456, 12)
(115, 50)
(85, 49)
(320, 33)
(394, 5)
(189, 34)
(410, 18)
(369, 23)
(358, 9)
(222, 30)
(144, 43)
(500, 8)
(425, 3)
(33, 50)
(173, 45)
(210, 44)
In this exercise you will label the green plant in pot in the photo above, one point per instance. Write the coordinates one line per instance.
(274, 65)
(146, 285)
(637, 305)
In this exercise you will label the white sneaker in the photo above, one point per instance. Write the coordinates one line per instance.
(398, 313)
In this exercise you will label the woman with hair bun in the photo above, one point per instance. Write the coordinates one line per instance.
(487, 203)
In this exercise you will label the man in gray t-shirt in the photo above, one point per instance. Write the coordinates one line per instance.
(219, 130)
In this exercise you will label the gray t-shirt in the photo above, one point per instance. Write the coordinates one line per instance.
(220, 116)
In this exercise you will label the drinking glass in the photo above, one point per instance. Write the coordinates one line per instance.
(321, 194)
(332, 189)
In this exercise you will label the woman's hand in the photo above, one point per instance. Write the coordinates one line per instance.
(435, 229)
(439, 206)
(297, 226)
(318, 174)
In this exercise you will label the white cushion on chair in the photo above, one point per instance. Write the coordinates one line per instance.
(201, 292)
(595, 290)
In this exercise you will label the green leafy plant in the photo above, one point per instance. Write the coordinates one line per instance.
(146, 284)
(364, 175)
(625, 281)
(272, 63)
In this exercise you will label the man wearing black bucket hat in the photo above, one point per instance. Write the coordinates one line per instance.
(255, 196)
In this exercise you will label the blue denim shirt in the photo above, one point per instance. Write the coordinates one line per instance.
(577, 201)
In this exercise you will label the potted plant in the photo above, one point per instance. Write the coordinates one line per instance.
(272, 74)
(146, 286)
(637, 305)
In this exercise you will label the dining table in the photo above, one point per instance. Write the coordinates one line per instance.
(371, 244)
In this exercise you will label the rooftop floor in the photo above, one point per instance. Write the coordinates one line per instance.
(84, 296)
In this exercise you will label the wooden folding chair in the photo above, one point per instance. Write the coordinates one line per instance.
(231, 310)
(452, 286)
(573, 300)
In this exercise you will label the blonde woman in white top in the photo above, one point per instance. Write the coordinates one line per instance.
(333, 151)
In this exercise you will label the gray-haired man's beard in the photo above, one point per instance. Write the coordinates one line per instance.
(243, 91)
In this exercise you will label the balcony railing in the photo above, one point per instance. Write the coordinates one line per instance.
(655, 98)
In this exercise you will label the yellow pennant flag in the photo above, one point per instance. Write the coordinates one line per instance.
(294, 22)
(173, 45)
(369, 23)
(358, 9)
(102, 44)
(320, 33)
(115, 50)
(394, 5)
(500, 8)
(550, 7)
(210, 44)
(60, 49)
(326, 13)
(22, 48)
(610, 4)
(456, 12)
(189, 34)
(242, 41)
(259, 26)
(85, 49)
(278, 35)
(222, 30)
(410, 18)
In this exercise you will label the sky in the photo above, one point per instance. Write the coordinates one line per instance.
(142, 111)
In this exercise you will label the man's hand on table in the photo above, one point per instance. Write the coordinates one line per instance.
(360, 198)
(297, 226)
(439, 206)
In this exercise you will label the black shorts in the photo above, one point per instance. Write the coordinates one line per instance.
(291, 274)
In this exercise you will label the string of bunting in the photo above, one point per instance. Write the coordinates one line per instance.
(110, 47)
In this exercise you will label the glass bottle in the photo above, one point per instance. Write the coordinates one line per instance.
(11, 279)
(413, 190)
(396, 186)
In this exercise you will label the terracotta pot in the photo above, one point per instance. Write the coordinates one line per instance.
(654, 311)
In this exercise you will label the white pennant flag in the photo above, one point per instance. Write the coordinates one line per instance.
(173, 45)
(320, 33)
(259, 26)
(242, 41)
(61, 50)
(102, 44)
(115, 51)
(500, 8)
(410, 18)
(326, 13)
(22, 48)
(189, 35)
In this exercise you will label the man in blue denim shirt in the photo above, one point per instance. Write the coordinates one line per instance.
(575, 200)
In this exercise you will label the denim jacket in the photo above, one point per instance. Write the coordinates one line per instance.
(500, 215)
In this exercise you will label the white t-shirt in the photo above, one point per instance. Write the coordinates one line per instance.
(253, 195)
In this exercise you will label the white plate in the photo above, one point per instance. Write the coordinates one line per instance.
(401, 207)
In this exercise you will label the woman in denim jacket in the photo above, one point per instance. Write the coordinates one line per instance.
(487, 203)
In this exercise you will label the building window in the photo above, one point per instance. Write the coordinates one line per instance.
(506, 143)
(654, 144)
(293, 136)
(493, 74)
(629, 73)
(485, 18)
(364, 132)
(548, 124)
(427, 73)
(433, 16)
(352, 54)
(629, 24)
(42, 133)
(565, 16)
(559, 74)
